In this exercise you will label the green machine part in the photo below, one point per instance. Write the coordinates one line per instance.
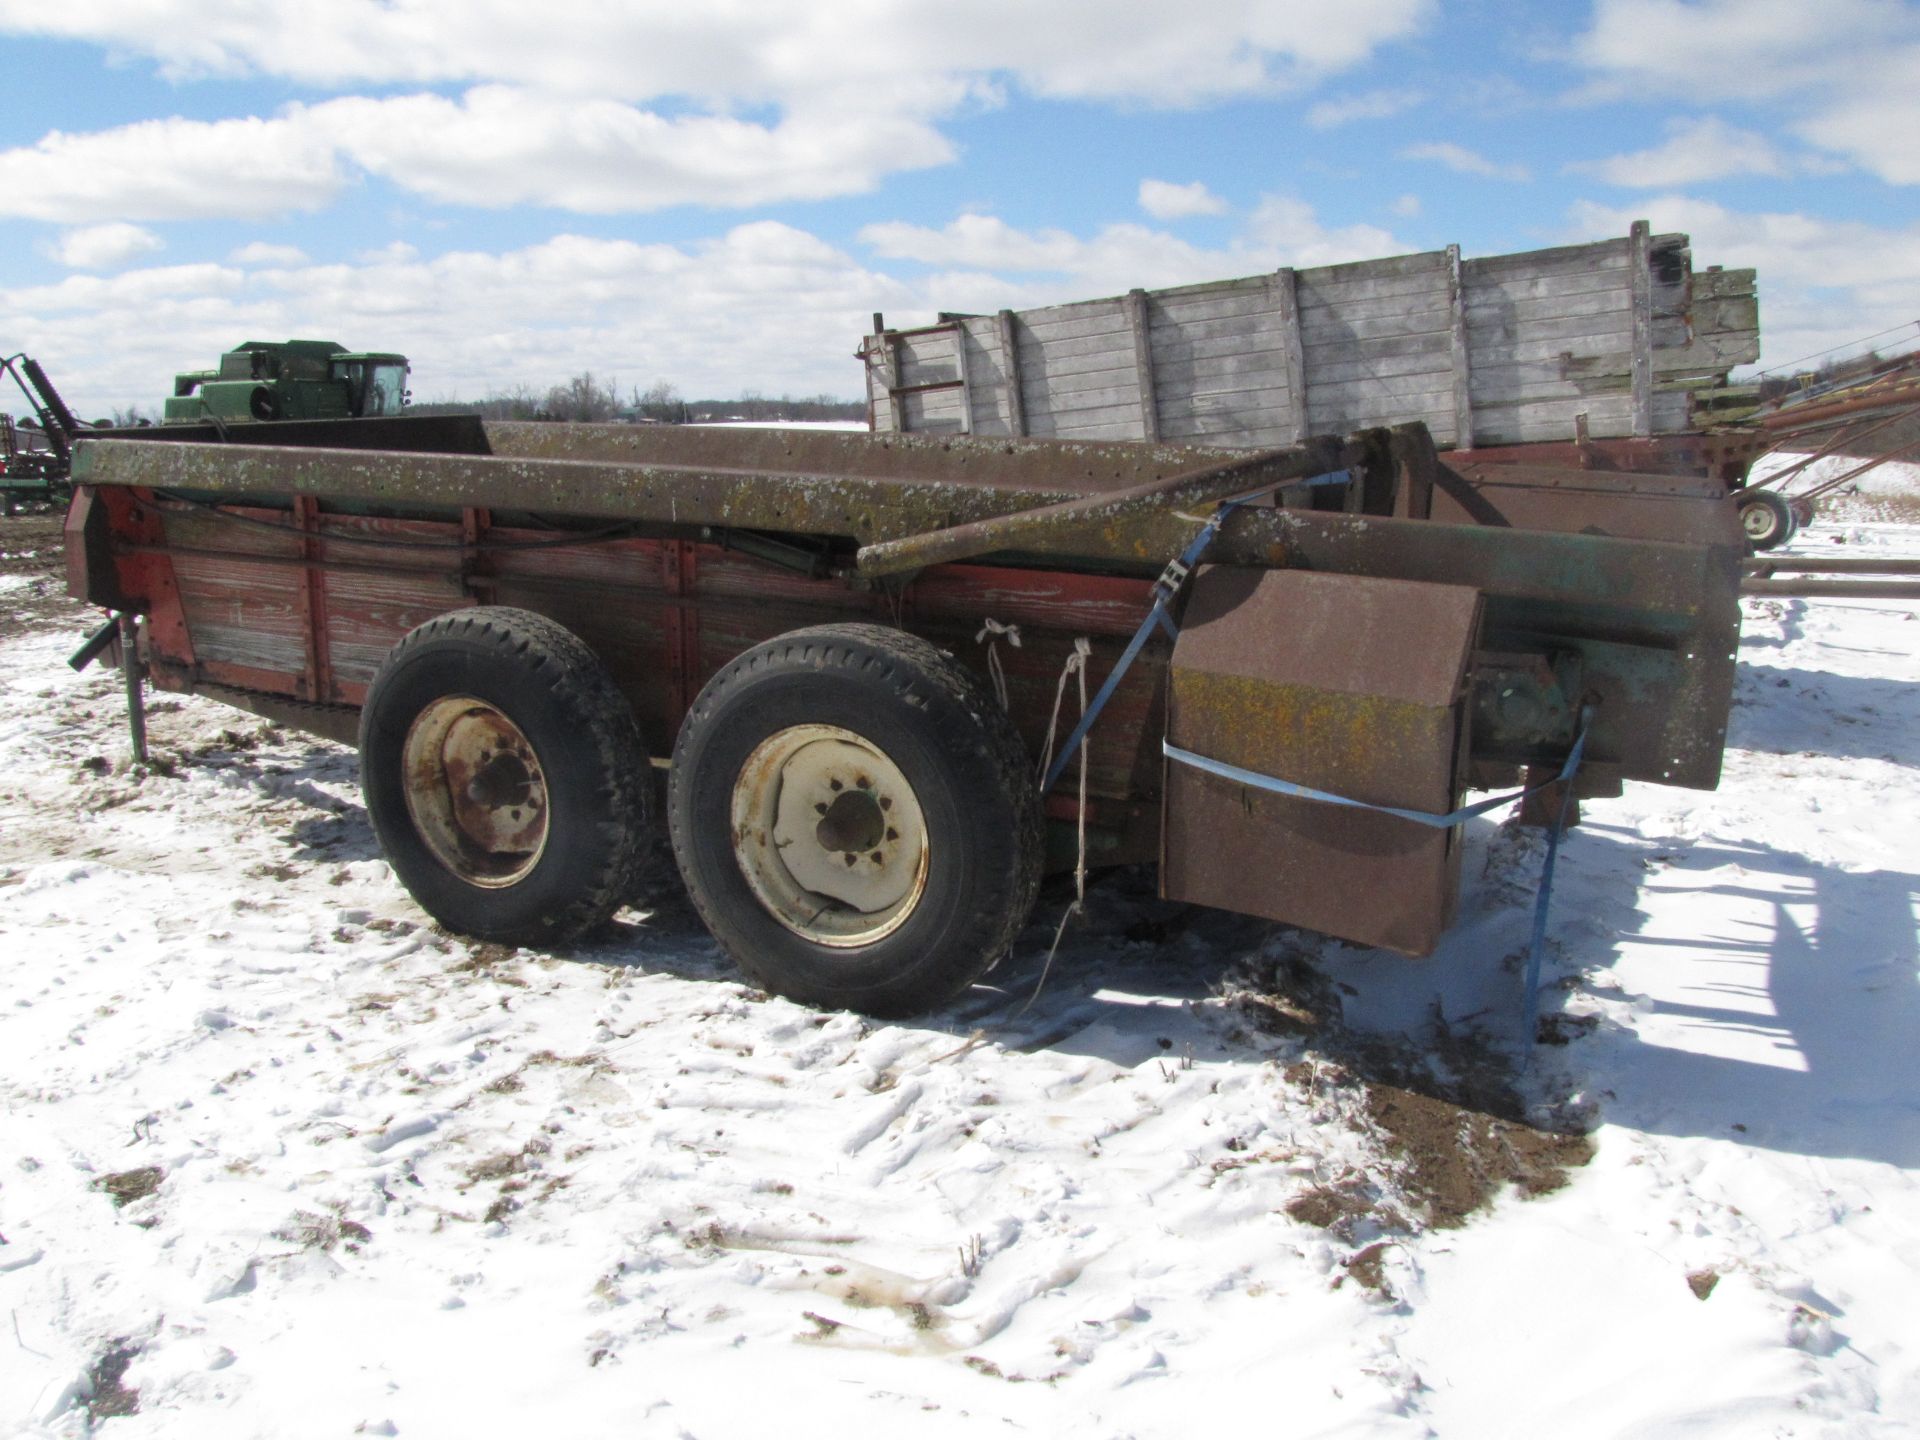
(290, 380)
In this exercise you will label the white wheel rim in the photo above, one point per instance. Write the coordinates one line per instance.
(829, 835)
(475, 791)
(1759, 521)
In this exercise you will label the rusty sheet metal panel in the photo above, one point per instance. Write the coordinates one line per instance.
(1348, 684)
(1589, 502)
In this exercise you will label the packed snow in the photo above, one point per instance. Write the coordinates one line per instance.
(278, 1157)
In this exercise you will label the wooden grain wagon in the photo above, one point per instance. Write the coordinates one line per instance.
(836, 662)
(1614, 356)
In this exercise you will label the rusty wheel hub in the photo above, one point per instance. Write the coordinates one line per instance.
(829, 835)
(475, 791)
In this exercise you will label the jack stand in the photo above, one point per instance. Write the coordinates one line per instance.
(135, 673)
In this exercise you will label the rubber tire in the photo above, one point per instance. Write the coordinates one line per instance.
(1781, 513)
(968, 769)
(544, 678)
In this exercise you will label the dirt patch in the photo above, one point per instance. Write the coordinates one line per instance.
(323, 1232)
(1368, 1266)
(33, 573)
(128, 1186)
(107, 1398)
(1442, 1107)
(1456, 1158)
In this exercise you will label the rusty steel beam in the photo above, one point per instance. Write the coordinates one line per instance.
(1039, 530)
(1764, 565)
(1800, 417)
(1836, 589)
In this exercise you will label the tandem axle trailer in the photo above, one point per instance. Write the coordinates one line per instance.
(833, 665)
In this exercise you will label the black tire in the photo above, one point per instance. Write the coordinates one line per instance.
(581, 775)
(924, 720)
(1767, 519)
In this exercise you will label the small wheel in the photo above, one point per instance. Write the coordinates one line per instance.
(505, 776)
(855, 819)
(1767, 518)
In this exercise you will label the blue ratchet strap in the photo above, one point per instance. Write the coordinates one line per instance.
(1165, 590)
(1537, 945)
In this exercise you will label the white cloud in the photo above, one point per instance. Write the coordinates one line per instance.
(103, 247)
(1843, 69)
(750, 51)
(1373, 105)
(1280, 231)
(1464, 161)
(171, 170)
(1407, 206)
(261, 252)
(1165, 200)
(985, 241)
(1694, 150)
(1822, 282)
(493, 148)
(594, 108)
(763, 305)
(499, 146)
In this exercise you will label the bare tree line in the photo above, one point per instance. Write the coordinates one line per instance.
(587, 398)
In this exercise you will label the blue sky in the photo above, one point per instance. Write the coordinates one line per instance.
(720, 195)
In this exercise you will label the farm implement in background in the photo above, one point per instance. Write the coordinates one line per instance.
(1612, 359)
(844, 665)
(35, 460)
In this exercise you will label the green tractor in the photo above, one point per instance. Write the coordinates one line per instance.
(290, 380)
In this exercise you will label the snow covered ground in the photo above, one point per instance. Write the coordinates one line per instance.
(278, 1158)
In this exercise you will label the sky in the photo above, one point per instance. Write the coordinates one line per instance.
(720, 195)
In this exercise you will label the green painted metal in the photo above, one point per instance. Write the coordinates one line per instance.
(290, 380)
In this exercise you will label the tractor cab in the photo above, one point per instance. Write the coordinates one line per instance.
(290, 380)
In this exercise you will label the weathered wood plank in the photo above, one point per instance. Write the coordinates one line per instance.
(1125, 427)
(1115, 347)
(1718, 284)
(1559, 260)
(1483, 308)
(1429, 391)
(1247, 406)
(1642, 272)
(1515, 384)
(1579, 333)
(1481, 288)
(1210, 287)
(1353, 337)
(1136, 304)
(1071, 322)
(927, 370)
(1607, 417)
(1459, 363)
(1261, 330)
(1433, 360)
(1293, 344)
(1423, 262)
(1204, 350)
(1355, 291)
(1119, 390)
(1081, 384)
(1403, 316)
(1730, 314)
(1201, 309)
(1010, 363)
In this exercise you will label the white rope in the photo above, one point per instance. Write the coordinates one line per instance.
(1076, 665)
(994, 671)
(1076, 662)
